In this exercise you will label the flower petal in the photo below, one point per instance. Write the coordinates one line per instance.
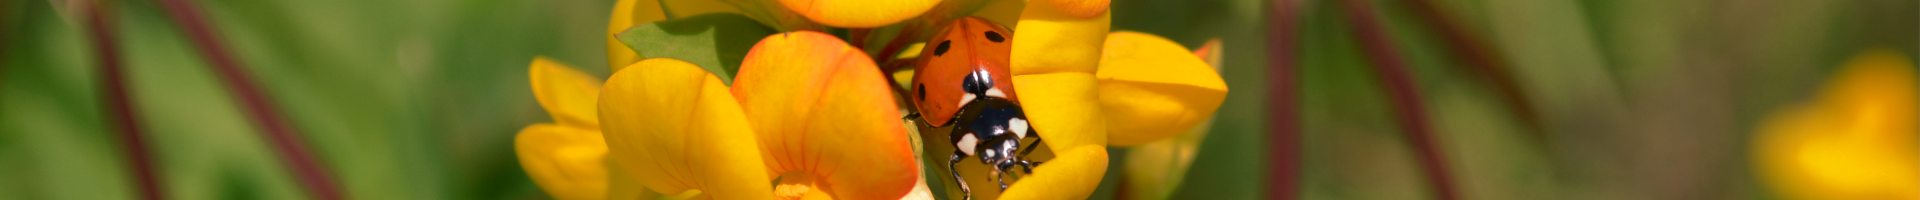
(685, 8)
(859, 13)
(675, 128)
(1855, 142)
(1154, 89)
(821, 107)
(627, 13)
(568, 162)
(1072, 175)
(566, 93)
(1062, 108)
(1154, 170)
(621, 184)
(1210, 52)
(1081, 8)
(1047, 40)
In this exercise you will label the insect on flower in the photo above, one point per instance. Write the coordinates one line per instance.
(962, 81)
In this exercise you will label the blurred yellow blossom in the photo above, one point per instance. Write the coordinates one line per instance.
(1855, 140)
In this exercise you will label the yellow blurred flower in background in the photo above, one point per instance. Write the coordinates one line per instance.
(1855, 140)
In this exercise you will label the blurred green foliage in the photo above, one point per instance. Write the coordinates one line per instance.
(419, 99)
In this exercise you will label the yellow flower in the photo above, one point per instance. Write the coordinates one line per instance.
(1154, 88)
(822, 110)
(806, 109)
(1855, 141)
(566, 158)
(859, 13)
(1064, 60)
(1155, 169)
(628, 13)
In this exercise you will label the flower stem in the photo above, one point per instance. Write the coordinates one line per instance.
(312, 174)
(1283, 138)
(1406, 98)
(1481, 59)
(119, 109)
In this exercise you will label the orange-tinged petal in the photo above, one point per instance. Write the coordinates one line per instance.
(627, 13)
(1072, 175)
(675, 128)
(1049, 41)
(1081, 8)
(567, 162)
(821, 107)
(1063, 109)
(566, 93)
(1153, 89)
(1210, 52)
(859, 13)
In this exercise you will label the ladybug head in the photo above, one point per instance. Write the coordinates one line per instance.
(1000, 124)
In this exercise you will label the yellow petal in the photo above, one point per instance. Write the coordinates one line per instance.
(1881, 79)
(1072, 175)
(1062, 108)
(1154, 170)
(568, 162)
(675, 128)
(821, 107)
(621, 185)
(1049, 41)
(859, 13)
(1855, 142)
(566, 93)
(912, 51)
(685, 8)
(627, 13)
(1152, 89)
(1081, 8)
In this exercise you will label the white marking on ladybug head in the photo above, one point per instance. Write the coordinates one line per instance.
(966, 98)
(1019, 127)
(967, 143)
(995, 92)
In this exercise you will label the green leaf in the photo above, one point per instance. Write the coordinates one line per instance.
(717, 42)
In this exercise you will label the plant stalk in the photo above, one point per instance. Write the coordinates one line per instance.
(1412, 115)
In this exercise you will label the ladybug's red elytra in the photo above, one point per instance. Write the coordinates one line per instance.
(961, 79)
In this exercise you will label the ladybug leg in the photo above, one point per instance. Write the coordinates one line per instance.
(951, 160)
(1002, 178)
(1028, 165)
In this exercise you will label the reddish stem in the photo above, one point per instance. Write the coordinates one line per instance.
(1406, 98)
(312, 174)
(120, 110)
(906, 36)
(1480, 59)
(857, 37)
(1283, 138)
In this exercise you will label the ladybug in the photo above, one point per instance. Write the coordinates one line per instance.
(962, 81)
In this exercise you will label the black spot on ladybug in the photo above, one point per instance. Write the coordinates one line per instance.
(922, 91)
(942, 49)
(995, 37)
